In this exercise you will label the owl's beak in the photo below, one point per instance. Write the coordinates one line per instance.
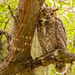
(48, 17)
(46, 22)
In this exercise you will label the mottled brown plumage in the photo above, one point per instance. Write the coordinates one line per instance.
(51, 34)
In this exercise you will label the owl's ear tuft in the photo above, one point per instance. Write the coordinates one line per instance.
(42, 7)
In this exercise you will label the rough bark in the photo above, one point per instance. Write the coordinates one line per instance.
(22, 34)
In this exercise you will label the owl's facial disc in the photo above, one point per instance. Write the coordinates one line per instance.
(48, 14)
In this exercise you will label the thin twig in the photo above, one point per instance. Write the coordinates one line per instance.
(11, 12)
(6, 24)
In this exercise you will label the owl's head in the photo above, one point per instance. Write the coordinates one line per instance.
(48, 13)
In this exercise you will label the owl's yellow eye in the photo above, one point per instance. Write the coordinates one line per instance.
(51, 14)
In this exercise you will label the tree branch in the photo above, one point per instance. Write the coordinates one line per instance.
(11, 12)
(47, 59)
(51, 58)
(6, 24)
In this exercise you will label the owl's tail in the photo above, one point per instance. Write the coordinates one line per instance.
(60, 68)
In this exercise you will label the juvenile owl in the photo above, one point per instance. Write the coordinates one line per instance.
(51, 34)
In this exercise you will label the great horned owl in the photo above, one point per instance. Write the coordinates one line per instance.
(51, 33)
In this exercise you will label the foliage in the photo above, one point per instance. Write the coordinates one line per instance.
(5, 13)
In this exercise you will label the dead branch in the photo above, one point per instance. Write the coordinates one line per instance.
(11, 12)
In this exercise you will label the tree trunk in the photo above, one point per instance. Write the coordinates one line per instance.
(22, 34)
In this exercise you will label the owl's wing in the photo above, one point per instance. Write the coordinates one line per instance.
(61, 34)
